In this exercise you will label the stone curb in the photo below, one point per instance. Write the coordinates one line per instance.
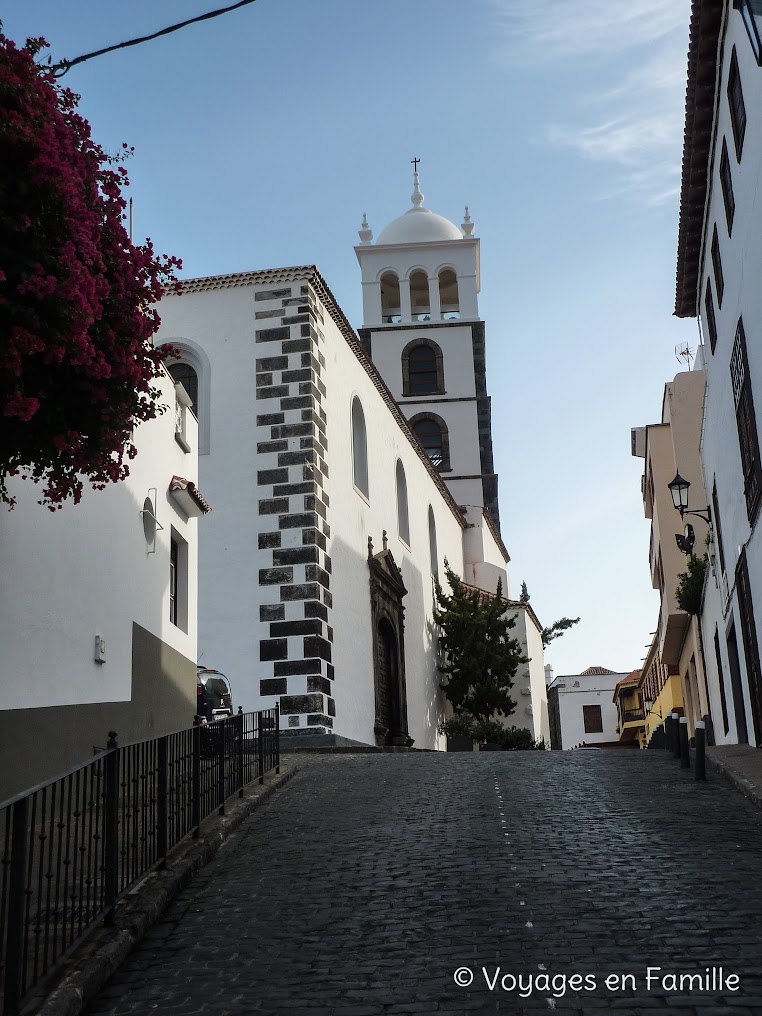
(91, 965)
(750, 790)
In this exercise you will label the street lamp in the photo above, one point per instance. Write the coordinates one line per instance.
(679, 491)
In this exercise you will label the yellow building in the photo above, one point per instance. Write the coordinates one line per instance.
(661, 690)
(631, 713)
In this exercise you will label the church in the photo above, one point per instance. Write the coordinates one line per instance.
(345, 466)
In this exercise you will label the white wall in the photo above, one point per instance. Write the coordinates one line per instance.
(353, 519)
(529, 689)
(576, 691)
(742, 262)
(86, 569)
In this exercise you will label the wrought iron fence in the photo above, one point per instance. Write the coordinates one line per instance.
(72, 846)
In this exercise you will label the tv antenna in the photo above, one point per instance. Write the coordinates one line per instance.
(684, 353)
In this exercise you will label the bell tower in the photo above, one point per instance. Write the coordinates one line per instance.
(421, 328)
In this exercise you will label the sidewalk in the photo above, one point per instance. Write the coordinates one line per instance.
(740, 765)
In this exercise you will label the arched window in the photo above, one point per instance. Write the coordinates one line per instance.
(420, 302)
(449, 302)
(433, 552)
(390, 299)
(185, 375)
(359, 448)
(422, 368)
(431, 431)
(403, 518)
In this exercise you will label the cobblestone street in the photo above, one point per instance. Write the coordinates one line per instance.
(369, 880)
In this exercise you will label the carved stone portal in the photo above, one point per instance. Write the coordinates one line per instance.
(388, 619)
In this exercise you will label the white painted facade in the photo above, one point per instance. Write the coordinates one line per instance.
(575, 691)
(530, 690)
(221, 319)
(735, 691)
(88, 570)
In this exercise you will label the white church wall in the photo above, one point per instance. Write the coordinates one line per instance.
(529, 690)
(285, 583)
(353, 519)
(88, 570)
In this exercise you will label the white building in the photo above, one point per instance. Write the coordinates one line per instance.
(719, 264)
(98, 607)
(587, 712)
(316, 588)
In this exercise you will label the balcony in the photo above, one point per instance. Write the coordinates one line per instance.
(633, 715)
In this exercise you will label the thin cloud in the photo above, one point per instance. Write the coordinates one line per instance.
(584, 27)
(635, 122)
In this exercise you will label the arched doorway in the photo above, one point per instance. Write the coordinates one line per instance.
(387, 680)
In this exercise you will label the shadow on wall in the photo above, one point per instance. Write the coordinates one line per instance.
(40, 743)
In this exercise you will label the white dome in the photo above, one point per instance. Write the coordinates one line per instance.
(419, 225)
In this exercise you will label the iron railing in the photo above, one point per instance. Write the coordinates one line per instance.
(72, 846)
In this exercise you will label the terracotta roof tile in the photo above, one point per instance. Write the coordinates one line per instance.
(596, 672)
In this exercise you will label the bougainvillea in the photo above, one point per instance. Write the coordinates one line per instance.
(77, 298)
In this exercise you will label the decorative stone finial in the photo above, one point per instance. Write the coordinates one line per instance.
(416, 197)
(467, 226)
(370, 547)
(384, 539)
(365, 233)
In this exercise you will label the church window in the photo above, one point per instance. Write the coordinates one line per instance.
(359, 448)
(191, 368)
(183, 374)
(449, 302)
(420, 302)
(431, 431)
(403, 518)
(422, 368)
(391, 312)
(433, 552)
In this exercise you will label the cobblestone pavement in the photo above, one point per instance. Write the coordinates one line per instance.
(366, 883)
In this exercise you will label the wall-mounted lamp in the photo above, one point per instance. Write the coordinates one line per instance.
(650, 709)
(679, 491)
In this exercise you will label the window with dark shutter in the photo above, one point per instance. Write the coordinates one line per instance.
(726, 182)
(717, 526)
(719, 278)
(736, 104)
(746, 422)
(593, 719)
(711, 323)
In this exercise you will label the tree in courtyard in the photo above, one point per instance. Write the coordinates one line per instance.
(480, 656)
(77, 297)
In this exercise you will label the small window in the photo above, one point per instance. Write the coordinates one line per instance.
(420, 302)
(390, 299)
(449, 303)
(431, 431)
(178, 581)
(717, 526)
(593, 719)
(736, 104)
(183, 374)
(403, 517)
(433, 551)
(359, 448)
(422, 368)
(746, 423)
(422, 371)
(719, 278)
(711, 323)
(726, 182)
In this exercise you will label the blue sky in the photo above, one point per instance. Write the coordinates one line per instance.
(261, 137)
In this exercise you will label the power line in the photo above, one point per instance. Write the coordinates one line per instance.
(61, 68)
